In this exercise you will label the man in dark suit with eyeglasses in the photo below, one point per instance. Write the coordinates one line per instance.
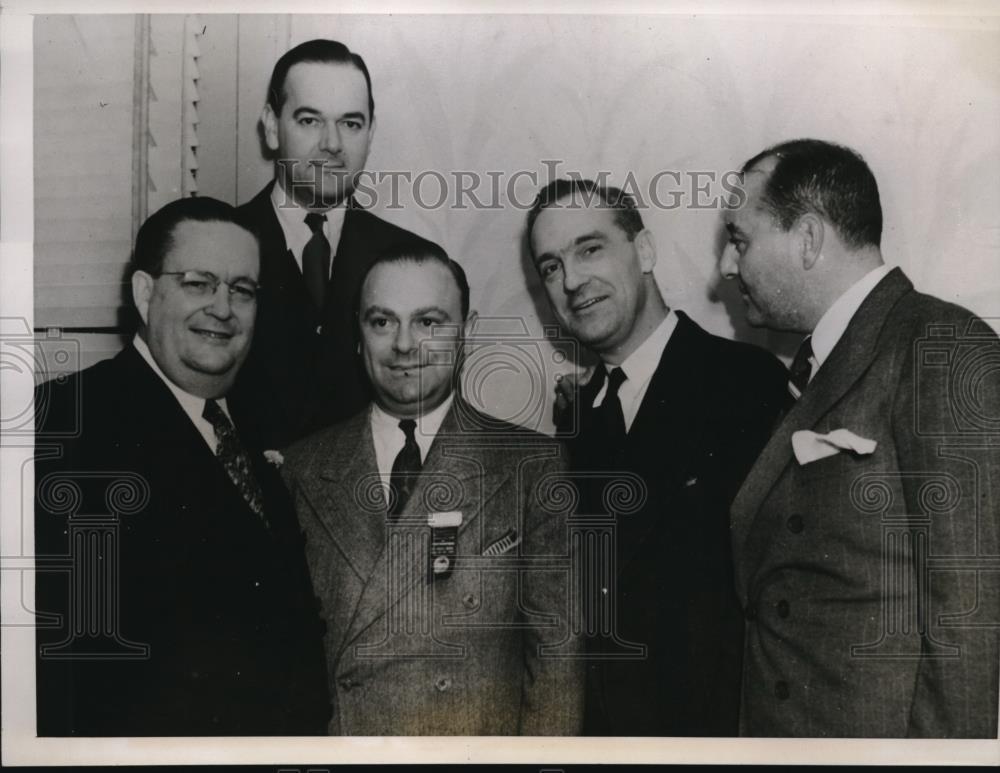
(172, 592)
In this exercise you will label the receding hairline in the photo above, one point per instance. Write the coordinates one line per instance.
(415, 260)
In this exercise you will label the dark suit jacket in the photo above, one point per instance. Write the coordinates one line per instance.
(459, 655)
(705, 415)
(223, 602)
(303, 372)
(863, 574)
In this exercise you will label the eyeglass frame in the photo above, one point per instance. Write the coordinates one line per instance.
(214, 281)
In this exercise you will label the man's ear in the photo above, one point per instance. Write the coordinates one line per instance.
(270, 121)
(142, 291)
(371, 132)
(646, 248)
(470, 323)
(810, 231)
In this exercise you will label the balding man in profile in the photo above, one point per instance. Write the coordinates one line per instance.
(866, 536)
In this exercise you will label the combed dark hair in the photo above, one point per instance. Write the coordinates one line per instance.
(316, 51)
(156, 236)
(418, 250)
(583, 192)
(827, 179)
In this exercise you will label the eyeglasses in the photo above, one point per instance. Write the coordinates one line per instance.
(204, 285)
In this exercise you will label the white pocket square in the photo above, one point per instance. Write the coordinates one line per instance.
(810, 446)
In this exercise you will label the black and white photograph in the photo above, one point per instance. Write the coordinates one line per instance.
(544, 385)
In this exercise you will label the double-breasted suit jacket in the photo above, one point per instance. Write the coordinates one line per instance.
(484, 650)
(870, 580)
(705, 416)
(204, 621)
(303, 371)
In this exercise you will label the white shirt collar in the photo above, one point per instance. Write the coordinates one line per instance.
(292, 219)
(834, 322)
(192, 405)
(639, 368)
(386, 426)
(388, 438)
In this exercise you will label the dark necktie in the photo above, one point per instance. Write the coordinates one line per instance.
(801, 369)
(234, 457)
(316, 260)
(611, 409)
(405, 470)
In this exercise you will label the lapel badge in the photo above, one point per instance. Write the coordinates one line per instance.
(444, 544)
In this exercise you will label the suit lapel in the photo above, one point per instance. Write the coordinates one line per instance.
(847, 363)
(280, 275)
(667, 411)
(175, 435)
(455, 476)
(348, 495)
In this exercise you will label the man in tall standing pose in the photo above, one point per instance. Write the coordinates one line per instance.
(431, 531)
(686, 412)
(303, 372)
(866, 536)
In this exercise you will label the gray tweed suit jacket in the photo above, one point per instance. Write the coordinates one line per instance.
(871, 582)
(484, 650)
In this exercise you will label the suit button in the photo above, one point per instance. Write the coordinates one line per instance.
(443, 683)
(469, 599)
(781, 690)
(783, 608)
(794, 524)
(347, 684)
(750, 612)
(319, 330)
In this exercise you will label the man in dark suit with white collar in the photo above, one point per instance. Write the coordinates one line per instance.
(436, 543)
(316, 242)
(166, 542)
(866, 536)
(686, 412)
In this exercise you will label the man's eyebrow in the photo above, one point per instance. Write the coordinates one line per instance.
(588, 237)
(371, 311)
(355, 115)
(576, 243)
(431, 310)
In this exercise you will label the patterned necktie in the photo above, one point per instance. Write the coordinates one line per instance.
(798, 374)
(316, 260)
(611, 409)
(405, 470)
(234, 457)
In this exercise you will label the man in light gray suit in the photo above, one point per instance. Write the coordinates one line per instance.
(435, 540)
(866, 537)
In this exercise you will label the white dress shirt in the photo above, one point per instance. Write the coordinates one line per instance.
(193, 406)
(639, 368)
(389, 438)
(831, 326)
(292, 219)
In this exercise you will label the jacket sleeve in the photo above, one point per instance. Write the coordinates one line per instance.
(946, 433)
(552, 690)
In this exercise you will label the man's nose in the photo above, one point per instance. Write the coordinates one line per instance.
(728, 266)
(222, 302)
(573, 277)
(404, 340)
(330, 141)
